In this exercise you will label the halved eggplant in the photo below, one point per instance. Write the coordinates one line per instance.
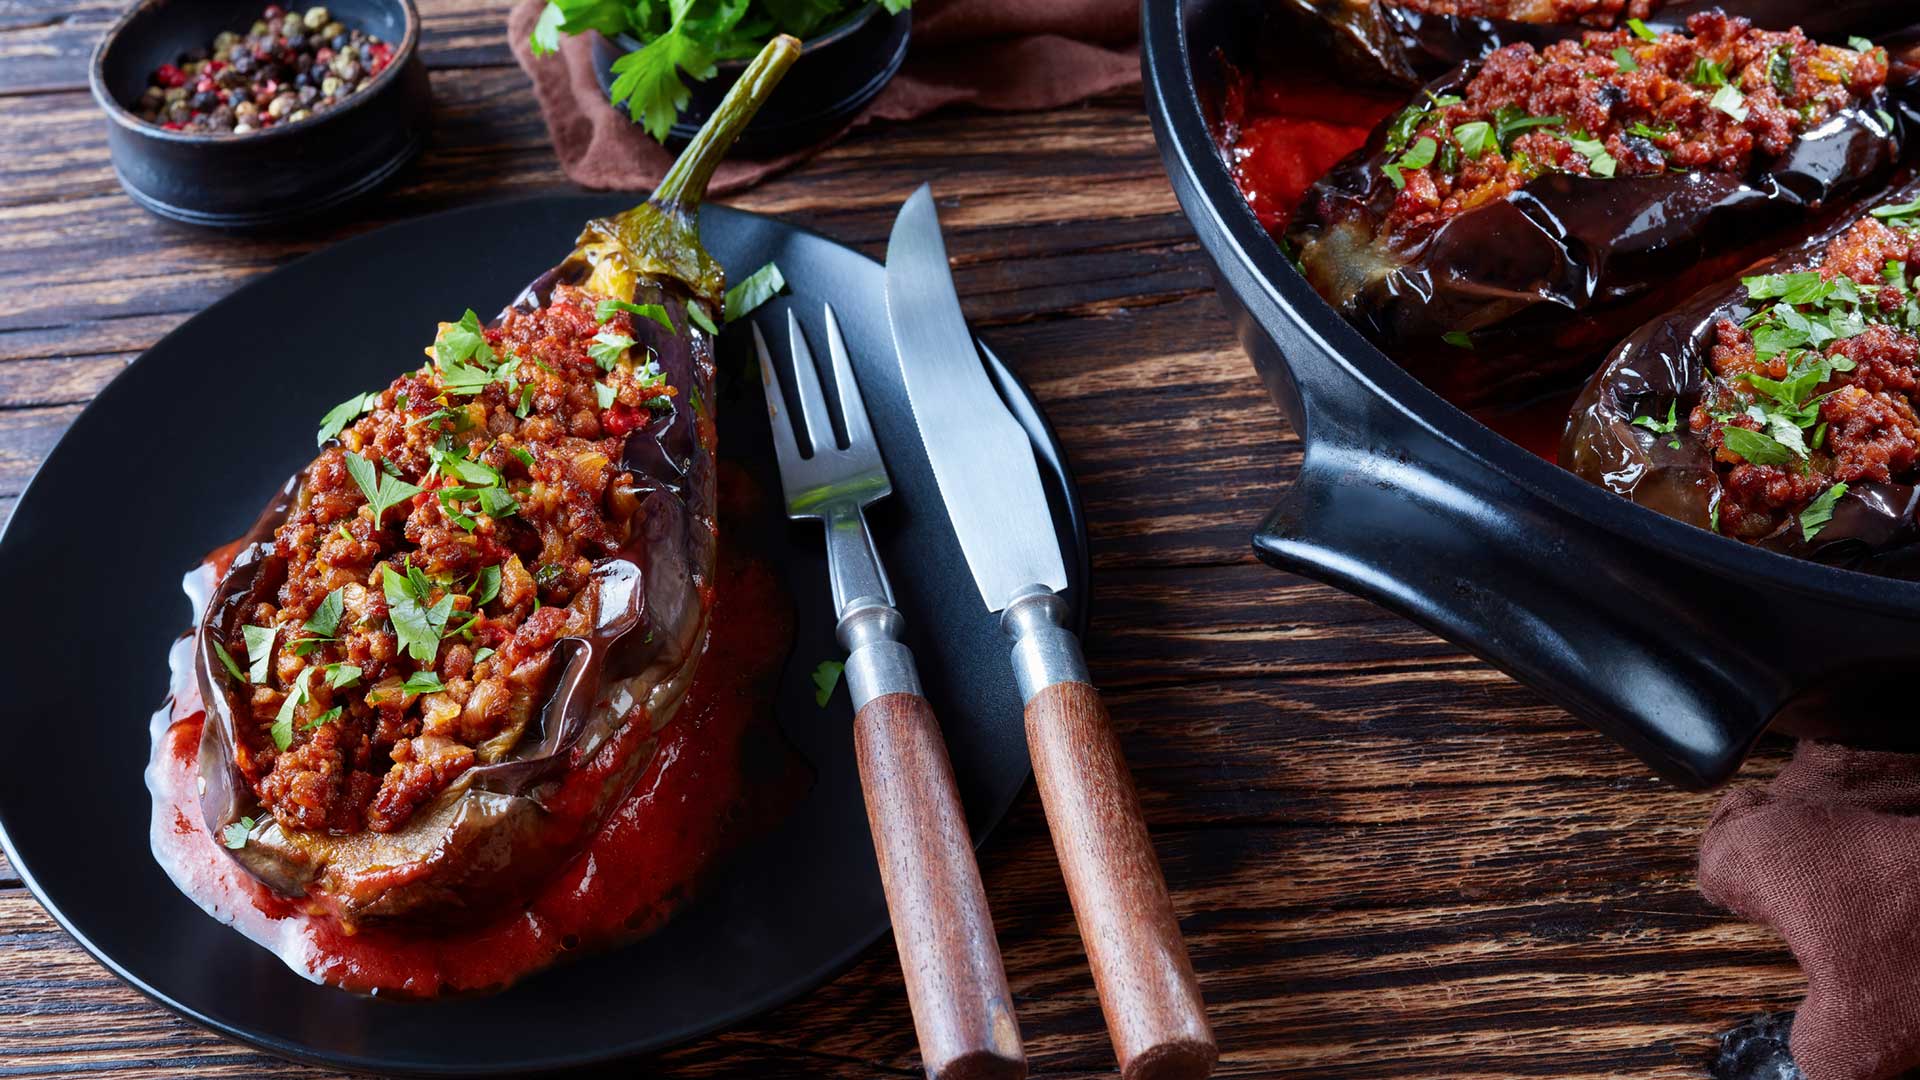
(1498, 251)
(571, 725)
(1410, 42)
(1778, 409)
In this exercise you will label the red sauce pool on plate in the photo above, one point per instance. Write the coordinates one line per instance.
(709, 787)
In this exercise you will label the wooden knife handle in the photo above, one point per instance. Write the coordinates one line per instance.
(962, 1009)
(1140, 965)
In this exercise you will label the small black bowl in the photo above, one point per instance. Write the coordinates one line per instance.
(838, 73)
(276, 175)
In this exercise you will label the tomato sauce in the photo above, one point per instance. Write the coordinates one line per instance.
(712, 784)
(1283, 126)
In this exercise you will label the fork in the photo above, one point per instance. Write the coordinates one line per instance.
(962, 1011)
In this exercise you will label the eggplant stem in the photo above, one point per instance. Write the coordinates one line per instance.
(685, 185)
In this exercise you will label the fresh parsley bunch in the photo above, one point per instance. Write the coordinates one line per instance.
(684, 37)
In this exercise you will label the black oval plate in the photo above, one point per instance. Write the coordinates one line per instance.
(178, 454)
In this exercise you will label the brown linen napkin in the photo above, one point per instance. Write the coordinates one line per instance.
(994, 54)
(1828, 855)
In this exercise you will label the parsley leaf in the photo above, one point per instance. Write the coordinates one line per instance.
(417, 624)
(1707, 73)
(486, 585)
(1623, 59)
(341, 676)
(825, 678)
(1474, 137)
(462, 341)
(282, 729)
(1510, 120)
(1730, 101)
(226, 658)
(1900, 210)
(423, 682)
(1641, 31)
(1459, 339)
(697, 315)
(755, 289)
(341, 415)
(1662, 427)
(648, 80)
(382, 492)
(1755, 447)
(604, 394)
(466, 471)
(324, 718)
(259, 651)
(605, 309)
(234, 835)
(608, 347)
(1599, 162)
(326, 617)
(1820, 511)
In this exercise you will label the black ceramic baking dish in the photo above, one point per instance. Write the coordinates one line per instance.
(273, 176)
(1680, 644)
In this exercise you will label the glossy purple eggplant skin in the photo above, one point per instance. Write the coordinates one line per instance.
(497, 830)
(1664, 363)
(1548, 278)
(1383, 41)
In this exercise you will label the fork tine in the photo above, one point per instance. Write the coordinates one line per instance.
(806, 381)
(852, 409)
(784, 446)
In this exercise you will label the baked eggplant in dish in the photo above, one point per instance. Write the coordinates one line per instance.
(437, 660)
(1778, 410)
(1498, 234)
(1410, 41)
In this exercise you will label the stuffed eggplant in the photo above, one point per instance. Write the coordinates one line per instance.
(1498, 234)
(1780, 410)
(439, 658)
(1410, 41)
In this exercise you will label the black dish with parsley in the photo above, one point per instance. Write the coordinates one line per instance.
(1498, 234)
(1779, 411)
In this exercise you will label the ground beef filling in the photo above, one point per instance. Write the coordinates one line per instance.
(519, 491)
(1604, 14)
(1848, 390)
(1616, 104)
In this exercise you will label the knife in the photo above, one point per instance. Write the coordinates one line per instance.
(991, 486)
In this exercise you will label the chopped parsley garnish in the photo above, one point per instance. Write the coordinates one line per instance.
(416, 622)
(1820, 511)
(1599, 162)
(604, 394)
(324, 718)
(486, 586)
(259, 651)
(382, 492)
(226, 658)
(605, 310)
(1510, 120)
(465, 470)
(1662, 427)
(326, 617)
(423, 682)
(608, 347)
(1858, 43)
(1755, 447)
(341, 415)
(282, 729)
(1459, 339)
(342, 676)
(825, 678)
(481, 654)
(522, 453)
(697, 314)
(1623, 58)
(1730, 101)
(1780, 71)
(1641, 31)
(752, 291)
(1707, 73)
(234, 835)
(1418, 156)
(1474, 137)
(1905, 209)
(463, 341)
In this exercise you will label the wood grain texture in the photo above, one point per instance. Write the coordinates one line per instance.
(949, 957)
(1147, 989)
(1387, 860)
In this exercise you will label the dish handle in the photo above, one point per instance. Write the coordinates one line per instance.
(1601, 628)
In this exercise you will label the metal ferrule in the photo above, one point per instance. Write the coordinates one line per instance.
(1045, 652)
(878, 663)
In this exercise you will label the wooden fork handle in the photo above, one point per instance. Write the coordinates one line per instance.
(962, 1010)
(1140, 965)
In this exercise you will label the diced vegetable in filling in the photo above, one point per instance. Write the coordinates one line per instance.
(1815, 391)
(1628, 102)
(443, 542)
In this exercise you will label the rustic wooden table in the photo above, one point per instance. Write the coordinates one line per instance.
(1389, 859)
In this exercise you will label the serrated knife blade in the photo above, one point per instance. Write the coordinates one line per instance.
(991, 486)
(981, 456)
